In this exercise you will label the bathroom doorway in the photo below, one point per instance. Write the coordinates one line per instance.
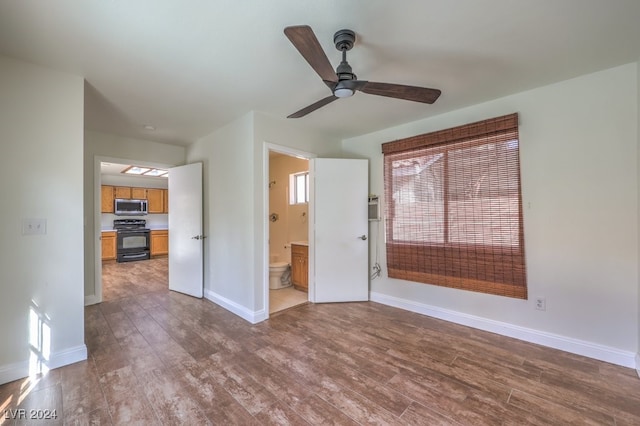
(288, 207)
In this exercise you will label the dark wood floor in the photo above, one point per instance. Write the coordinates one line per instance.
(128, 279)
(164, 358)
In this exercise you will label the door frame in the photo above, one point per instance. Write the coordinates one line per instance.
(267, 146)
(97, 218)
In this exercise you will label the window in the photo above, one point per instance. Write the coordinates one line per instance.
(299, 188)
(454, 208)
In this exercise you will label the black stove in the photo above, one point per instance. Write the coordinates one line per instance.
(129, 224)
(133, 238)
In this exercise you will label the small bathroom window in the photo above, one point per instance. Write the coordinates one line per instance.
(299, 188)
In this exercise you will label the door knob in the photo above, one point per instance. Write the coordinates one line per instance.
(363, 237)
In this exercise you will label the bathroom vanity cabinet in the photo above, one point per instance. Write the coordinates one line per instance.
(300, 266)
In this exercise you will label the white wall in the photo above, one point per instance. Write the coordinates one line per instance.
(227, 157)
(579, 166)
(41, 122)
(235, 193)
(100, 146)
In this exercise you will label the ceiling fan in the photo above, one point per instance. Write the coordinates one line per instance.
(343, 82)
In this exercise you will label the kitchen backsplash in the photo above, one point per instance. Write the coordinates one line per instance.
(154, 221)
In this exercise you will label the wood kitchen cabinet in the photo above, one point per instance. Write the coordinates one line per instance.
(139, 193)
(300, 266)
(165, 195)
(155, 196)
(106, 198)
(123, 192)
(158, 198)
(159, 242)
(109, 243)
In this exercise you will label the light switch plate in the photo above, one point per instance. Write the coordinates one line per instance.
(34, 226)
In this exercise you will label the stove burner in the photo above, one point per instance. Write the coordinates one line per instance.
(123, 224)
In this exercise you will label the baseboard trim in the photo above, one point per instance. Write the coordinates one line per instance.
(252, 316)
(638, 363)
(19, 370)
(68, 356)
(567, 344)
(11, 372)
(91, 300)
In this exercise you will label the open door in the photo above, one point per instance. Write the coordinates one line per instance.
(340, 229)
(185, 230)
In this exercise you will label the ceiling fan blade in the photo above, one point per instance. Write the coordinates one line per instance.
(306, 110)
(303, 39)
(400, 91)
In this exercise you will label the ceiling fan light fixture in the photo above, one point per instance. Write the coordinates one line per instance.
(343, 83)
(343, 92)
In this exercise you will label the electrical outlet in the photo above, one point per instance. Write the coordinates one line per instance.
(541, 304)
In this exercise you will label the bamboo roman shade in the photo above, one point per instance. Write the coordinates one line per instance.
(454, 209)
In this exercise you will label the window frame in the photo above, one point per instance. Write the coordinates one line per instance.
(293, 188)
(404, 257)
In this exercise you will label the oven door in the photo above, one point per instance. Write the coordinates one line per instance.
(133, 245)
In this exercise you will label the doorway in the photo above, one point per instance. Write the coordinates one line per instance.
(287, 201)
(116, 280)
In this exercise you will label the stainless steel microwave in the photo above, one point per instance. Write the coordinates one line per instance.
(126, 207)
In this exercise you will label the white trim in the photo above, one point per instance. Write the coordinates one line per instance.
(92, 299)
(68, 356)
(556, 341)
(11, 372)
(19, 370)
(252, 316)
(638, 363)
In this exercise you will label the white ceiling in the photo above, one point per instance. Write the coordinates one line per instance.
(189, 67)
(116, 169)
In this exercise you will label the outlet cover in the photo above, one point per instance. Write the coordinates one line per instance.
(34, 226)
(541, 303)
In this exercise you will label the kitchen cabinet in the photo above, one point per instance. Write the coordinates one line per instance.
(165, 196)
(300, 266)
(155, 197)
(123, 192)
(106, 198)
(139, 193)
(109, 243)
(158, 198)
(159, 242)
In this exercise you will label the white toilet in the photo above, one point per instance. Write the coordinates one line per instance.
(276, 271)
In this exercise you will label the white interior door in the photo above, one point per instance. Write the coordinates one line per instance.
(185, 229)
(340, 230)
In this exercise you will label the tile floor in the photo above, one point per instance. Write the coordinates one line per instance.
(285, 298)
(163, 358)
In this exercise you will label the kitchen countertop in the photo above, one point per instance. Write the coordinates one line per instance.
(153, 228)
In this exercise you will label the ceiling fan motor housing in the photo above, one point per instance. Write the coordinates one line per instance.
(344, 40)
